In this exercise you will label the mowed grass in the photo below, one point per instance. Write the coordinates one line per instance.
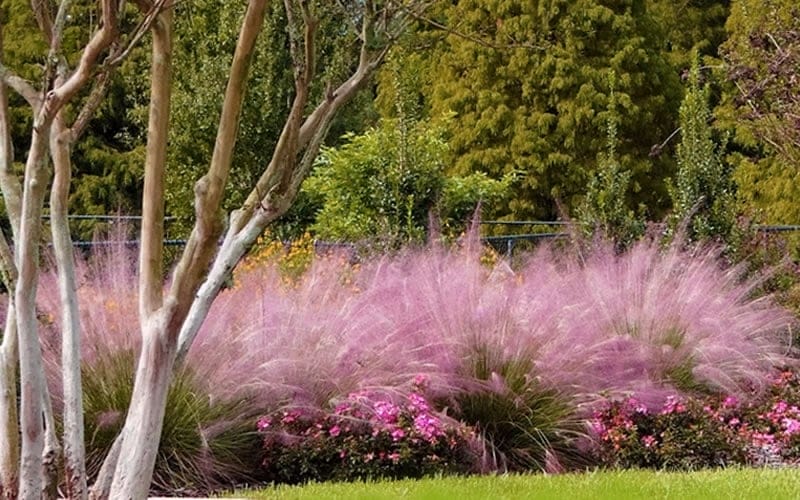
(761, 484)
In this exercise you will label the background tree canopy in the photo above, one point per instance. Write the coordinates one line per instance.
(509, 101)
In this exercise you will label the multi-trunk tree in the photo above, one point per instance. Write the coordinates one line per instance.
(63, 98)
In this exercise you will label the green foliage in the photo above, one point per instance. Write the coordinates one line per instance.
(379, 183)
(527, 82)
(205, 41)
(527, 426)
(605, 208)
(386, 181)
(761, 104)
(205, 443)
(691, 25)
(703, 194)
(461, 195)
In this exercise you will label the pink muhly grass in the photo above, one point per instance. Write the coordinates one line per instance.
(667, 320)
(653, 321)
(656, 322)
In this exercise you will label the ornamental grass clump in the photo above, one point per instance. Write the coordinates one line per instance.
(658, 322)
(208, 440)
(522, 356)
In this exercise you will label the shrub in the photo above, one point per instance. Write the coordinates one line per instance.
(708, 432)
(683, 434)
(365, 436)
(774, 423)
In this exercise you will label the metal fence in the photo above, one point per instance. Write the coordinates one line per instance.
(505, 244)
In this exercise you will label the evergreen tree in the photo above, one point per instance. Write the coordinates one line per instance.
(527, 83)
(605, 208)
(703, 192)
(762, 103)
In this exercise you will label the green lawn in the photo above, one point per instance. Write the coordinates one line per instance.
(760, 484)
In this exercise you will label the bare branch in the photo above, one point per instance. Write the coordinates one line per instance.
(20, 86)
(98, 93)
(42, 11)
(99, 42)
(210, 189)
(151, 11)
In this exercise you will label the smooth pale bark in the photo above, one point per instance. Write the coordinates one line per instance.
(145, 419)
(9, 423)
(30, 357)
(74, 447)
(142, 430)
(51, 456)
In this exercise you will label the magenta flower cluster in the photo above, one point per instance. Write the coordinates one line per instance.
(365, 435)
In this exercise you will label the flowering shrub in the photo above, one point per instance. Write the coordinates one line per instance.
(364, 436)
(774, 424)
(698, 433)
(680, 435)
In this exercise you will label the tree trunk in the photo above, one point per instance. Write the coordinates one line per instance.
(30, 357)
(9, 351)
(9, 423)
(142, 430)
(74, 448)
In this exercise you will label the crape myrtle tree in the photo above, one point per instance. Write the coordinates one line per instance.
(62, 100)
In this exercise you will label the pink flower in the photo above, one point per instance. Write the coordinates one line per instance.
(672, 405)
(264, 423)
(289, 417)
(418, 403)
(427, 426)
(791, 426)
(648, 441)
(386, 412)
(762, 438)
(394, 457)
(730, 402)
(398, 434)
(335, 431)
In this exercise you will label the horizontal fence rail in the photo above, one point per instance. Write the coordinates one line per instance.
(502, 243)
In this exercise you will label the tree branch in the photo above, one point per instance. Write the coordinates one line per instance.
(210, 189)
(99, 42)
(20, 86)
